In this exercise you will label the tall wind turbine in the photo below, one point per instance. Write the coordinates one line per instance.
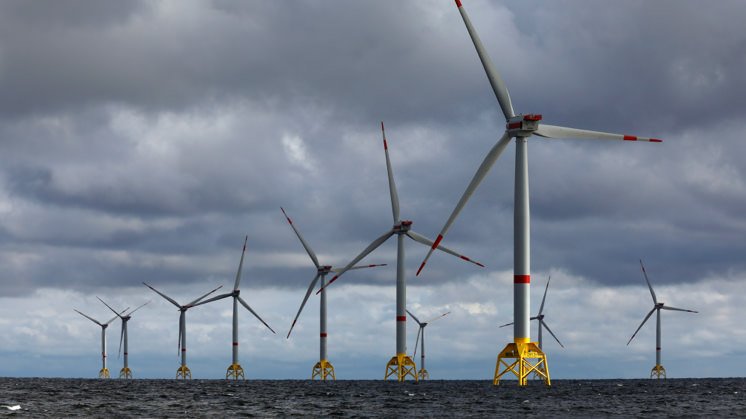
(183, 372)
(421, 333)
(658, 371)
(540, 318)
(104, 373)
(235, 370)
(400, 365)
(527, 355)
(125, 372)
(323, 368)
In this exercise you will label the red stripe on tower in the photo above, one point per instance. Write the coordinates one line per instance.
(323, 335)
(401, 318)
(235, 343)
(521, 279)
(658, 348)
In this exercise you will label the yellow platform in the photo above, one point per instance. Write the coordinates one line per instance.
(526, 358)
(125, 373)
(400, 367)
(104, 373)
(322, 370)
(183, 373)
(234, 371)
(658, 372)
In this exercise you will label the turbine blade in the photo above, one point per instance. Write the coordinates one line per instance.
(484, 168)
(335, 270)
(303, 242)
(181, 328)
(427, 242)
(112, 319)
(303, 304)
(501, 91)
(640, 327)
(507, 324)
(209, 300)
(121, 336)
(678, 309)
(655, 300)
(131, 312)
(92, 319)
(240, 300)
(553, 131)
(542, 323)
(415, 318)
(417, 341)
(371, 247)
(437, 317)
(200, 298)
(392, 185)
(240, 264)
(108, 306)
(541, 308)
(163, 295)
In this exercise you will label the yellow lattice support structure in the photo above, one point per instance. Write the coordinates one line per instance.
(125, 373)
(183, 373)
(104, 373)
(658, 372)
(422, 374)
(400, 367)
(322, 370)
(234, 371)
(528, 359)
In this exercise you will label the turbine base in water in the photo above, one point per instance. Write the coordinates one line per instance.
(125, 373)
(183, 373)
(422, 374)
(322, 370)
(658, 372)
(104, 373)
(234, 371)
(400, 367)
(527, 359)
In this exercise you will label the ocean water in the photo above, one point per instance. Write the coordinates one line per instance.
(56, 397)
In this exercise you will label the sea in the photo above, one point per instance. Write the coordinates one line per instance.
(115, 398)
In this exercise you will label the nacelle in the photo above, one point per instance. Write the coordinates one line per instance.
(523, 125)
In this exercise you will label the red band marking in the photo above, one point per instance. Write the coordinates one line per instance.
(385, 147)
(183, 349)
(401, 318)
(235, 343)
(323, 335)
(655, 140)
(630, 138)
(126, 353)
(658, 349)
(521, 279)
(437, 241)
(458, 3)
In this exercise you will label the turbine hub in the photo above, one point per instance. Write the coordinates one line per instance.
(403, 227)
(523, 125)
(325, 269)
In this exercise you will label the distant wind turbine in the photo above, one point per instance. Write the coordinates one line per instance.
(658, 371)
(540, 318)
(104, 373)
(423, 374)
(125, 372)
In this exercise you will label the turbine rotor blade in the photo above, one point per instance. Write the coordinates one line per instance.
(641, 324)
(678, 309)
(108, 306)
(131, 312)
(240, 300)
(209, 300)
(437, 317)
(200, 298)
(171, 300)
(392, 185)
(484, 168)
(417, 341)
(112, 319)
(415, 318)
(303, 242)
(507, 324)
(303, 304)
(541, 308)
(94, 320)
(181, 329)
(371, 247)
(427, 242)
(655, 300)
(542, 323)
(240, 264)
(121, 336)
(553, 131)
(335, 270)
(501, 91)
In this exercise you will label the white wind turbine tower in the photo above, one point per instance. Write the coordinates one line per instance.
(422, 373)
(400, 365)
(104, 373)
(323, 368)
(658, 371)
(183, 372)
(125, 372)
(527, 355)
(540, 318)
(235, 370)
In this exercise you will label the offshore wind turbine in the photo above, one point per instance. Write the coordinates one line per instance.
(658, 371)
(323, 368)
(104, 373)
(527, 355)
(400, 365)
(125, 372)
(422, 373)
(540, 318)
(183, 372)
(235, 370)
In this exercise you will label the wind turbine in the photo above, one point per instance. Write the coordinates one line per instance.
(323, 368)
(527, 355)
(125, 372)
(183, 372)
(235, 370)
(421, 332)
(540, 318)
(104, 373)
(400, 365)
(658, 371)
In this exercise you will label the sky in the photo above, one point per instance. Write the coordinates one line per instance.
(142, 141)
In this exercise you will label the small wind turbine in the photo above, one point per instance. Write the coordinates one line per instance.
(235, 370)
(540, 318)
(421, 332)
(658, 371)
(125, 372)
(526, 354)
(183, 372)
(400, 365)
(104, 373)
(323, 368)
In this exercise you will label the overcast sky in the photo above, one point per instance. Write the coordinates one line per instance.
(141, 141)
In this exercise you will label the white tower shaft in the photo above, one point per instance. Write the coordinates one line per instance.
(521, 247)
(401, 297)
(658, 338)
(235, 330)
(422, 349)
(182, 324)
(103, 348)
(322, 320)
(124, 332)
